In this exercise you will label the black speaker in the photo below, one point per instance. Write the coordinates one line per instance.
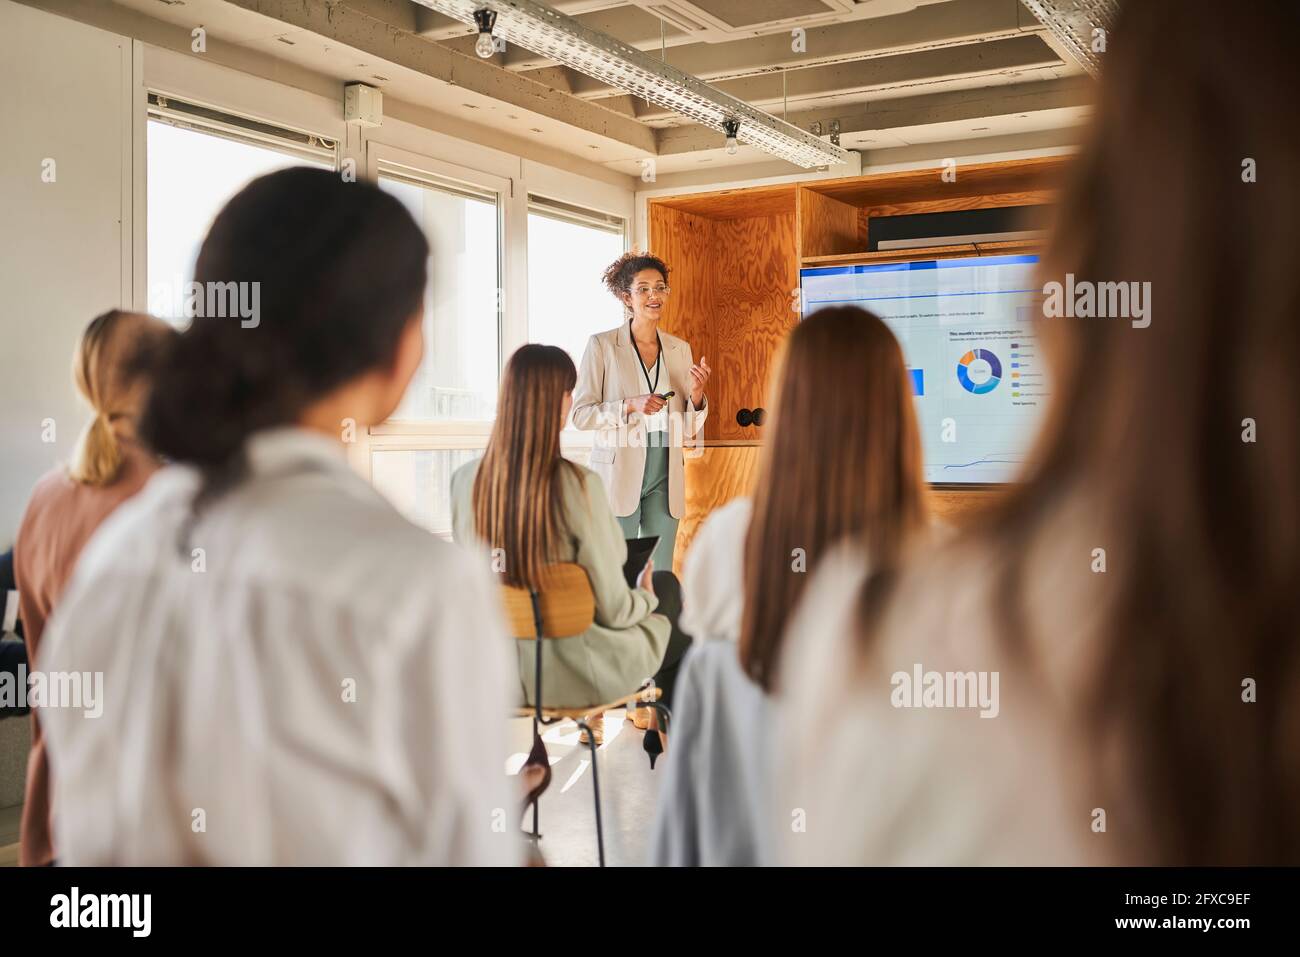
(952, 226)
(744, 417)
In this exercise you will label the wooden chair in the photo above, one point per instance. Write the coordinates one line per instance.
(565, 607)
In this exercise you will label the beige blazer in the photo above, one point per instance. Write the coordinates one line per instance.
(610, 373)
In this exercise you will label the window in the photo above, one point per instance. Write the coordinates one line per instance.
(568, 249)
(197, 159)
(446, 415)
(418, 482)
(462, 307)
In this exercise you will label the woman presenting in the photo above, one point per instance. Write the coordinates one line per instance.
(641, 393)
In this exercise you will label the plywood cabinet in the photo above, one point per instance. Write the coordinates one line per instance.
(735, 257)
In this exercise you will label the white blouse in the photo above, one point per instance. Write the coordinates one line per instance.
(870, 776)
(713, 574)
(657, 377)
(307, 679)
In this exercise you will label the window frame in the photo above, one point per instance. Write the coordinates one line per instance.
(413, 435)
(571, 439)
(205, 119)
(187, 114)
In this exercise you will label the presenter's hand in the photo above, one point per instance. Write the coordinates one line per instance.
(647, 404)
(700, 373)
(646, 580)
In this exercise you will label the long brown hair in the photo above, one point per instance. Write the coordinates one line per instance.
(1156, 425)
(109, 369)
(842, 458)
(518, 506)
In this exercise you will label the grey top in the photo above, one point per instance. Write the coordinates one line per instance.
(715, 805)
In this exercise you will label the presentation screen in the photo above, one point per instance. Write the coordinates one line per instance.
(977, 372)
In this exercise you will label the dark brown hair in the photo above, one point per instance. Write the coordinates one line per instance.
(827, 475)
(517, 500)
(1201, 525)
(341, 273)
(618, 274)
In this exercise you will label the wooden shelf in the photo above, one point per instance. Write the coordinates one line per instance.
(926, 252)
(928, 186)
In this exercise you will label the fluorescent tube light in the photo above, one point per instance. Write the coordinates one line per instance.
(598, 55)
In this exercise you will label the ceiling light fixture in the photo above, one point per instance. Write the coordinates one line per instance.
(485, 20)
(598, 55)
(731, 128)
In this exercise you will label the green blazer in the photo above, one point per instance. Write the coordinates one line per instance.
(626, 643)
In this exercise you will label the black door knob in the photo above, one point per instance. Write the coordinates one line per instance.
(744, 417)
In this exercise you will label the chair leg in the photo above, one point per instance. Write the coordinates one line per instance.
(595, 789)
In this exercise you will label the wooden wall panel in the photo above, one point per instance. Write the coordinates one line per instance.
(956, 508)
(736, 203)
(827, 227)
(718, 475)
(754, 273)
(685, 242)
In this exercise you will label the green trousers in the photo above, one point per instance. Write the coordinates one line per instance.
(652, 516)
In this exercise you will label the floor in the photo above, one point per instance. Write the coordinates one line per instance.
(628, 792)
(9, 818)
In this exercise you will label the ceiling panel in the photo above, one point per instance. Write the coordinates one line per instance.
(852, 57)
(748, 13)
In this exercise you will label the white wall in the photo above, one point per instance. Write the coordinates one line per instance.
(65, 246)
(65, 249)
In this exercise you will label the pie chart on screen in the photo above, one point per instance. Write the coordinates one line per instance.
(979, 371)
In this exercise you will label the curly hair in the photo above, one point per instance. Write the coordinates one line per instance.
(618, 276)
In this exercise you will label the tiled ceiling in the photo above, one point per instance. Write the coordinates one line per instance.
(891, 73)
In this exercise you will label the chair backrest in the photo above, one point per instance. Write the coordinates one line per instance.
(567, 603)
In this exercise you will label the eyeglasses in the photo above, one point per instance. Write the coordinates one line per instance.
(643, 291)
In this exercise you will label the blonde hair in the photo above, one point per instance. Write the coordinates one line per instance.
(105, 371)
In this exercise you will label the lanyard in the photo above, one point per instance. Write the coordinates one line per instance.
(658, 359)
